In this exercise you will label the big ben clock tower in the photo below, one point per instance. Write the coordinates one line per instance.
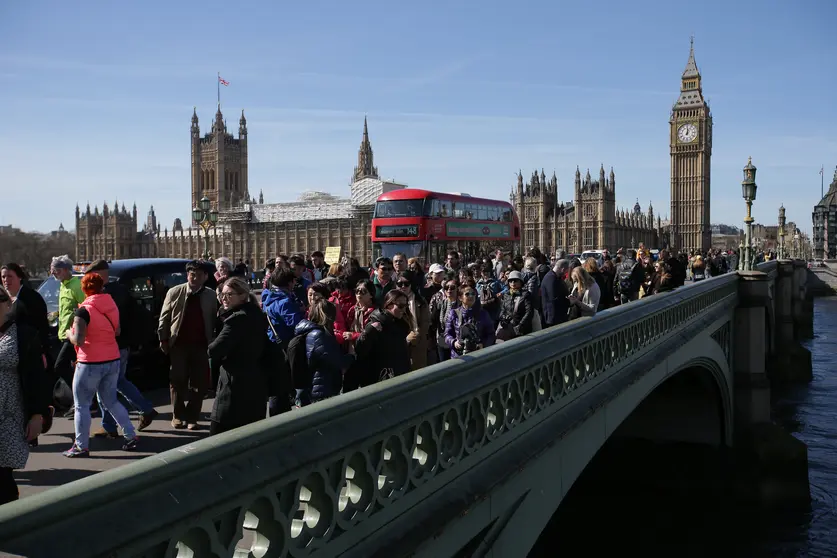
(691, 151)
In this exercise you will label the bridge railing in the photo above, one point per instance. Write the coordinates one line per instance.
(329, 478)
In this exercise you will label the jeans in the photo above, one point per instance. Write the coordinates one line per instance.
(98, 379)
(129, 391)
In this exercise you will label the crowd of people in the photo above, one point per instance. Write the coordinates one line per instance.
(316, 331)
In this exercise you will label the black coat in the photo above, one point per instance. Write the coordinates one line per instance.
(554, 295)
(518, 315)
(384, 351)
(31, 310)
(243, 383)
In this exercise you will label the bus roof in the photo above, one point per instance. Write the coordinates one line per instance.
(417, 194)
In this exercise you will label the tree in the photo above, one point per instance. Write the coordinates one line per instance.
(34, 251)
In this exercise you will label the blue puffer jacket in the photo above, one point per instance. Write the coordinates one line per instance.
(326, 361)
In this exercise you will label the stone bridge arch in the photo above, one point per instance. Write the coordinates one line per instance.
(534, 494)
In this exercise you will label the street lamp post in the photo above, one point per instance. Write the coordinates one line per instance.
(206, 218)
(748, 192)
(782, 221)
(796, 244)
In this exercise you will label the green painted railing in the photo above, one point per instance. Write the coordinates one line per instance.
(350, 474)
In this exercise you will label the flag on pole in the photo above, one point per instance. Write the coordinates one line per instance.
(822, 170)
(222, 81)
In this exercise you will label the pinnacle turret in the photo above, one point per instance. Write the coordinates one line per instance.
(365, 158)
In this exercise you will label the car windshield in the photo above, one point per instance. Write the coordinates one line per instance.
(399, 208)
(49, 291)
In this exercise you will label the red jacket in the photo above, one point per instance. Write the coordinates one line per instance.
(344, 304)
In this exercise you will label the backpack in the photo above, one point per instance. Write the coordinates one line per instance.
(625, 279)
(298, 362)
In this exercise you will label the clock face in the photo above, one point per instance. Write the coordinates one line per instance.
(687, 133)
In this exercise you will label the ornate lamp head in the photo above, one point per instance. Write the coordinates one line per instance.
(748, 185)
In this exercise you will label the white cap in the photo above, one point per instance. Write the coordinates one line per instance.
(436, 268)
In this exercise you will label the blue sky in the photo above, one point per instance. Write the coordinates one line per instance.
(97, 97)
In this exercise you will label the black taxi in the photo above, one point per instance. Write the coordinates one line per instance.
(148, 281)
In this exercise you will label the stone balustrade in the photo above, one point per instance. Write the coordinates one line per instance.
(369, 472)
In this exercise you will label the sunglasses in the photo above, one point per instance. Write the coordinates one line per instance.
(450, 288)
(403, 283)
(361, 291)
(469, 294)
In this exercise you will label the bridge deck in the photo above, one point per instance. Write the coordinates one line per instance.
(47, 468)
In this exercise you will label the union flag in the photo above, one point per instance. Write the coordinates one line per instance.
(222, 81)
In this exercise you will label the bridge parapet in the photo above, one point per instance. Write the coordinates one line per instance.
(328, 479)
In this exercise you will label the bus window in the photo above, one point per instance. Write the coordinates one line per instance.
(446, 208)
(435, 208)
(399, 208)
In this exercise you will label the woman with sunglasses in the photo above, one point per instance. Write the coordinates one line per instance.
(468, 327)
(418, 318)
(242, 388)
(440, 306)
(25, 395)
(359, 315)
(382, 347)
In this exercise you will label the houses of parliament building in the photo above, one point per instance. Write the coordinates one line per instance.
(252, 229)
(591, 220)
(247, 229)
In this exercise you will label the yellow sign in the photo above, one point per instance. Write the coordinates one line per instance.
(332, 254)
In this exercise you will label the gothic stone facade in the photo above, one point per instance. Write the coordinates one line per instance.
(825, 224)
(247, 230)
(691, 150)
(590, 222)
(219, 163)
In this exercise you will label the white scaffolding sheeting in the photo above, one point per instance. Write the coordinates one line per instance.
(367, 190)
(311, 206)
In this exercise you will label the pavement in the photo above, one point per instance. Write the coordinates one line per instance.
(47, 467)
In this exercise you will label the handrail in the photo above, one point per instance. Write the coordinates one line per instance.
(334, 472)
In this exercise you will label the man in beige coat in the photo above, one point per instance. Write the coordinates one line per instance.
(187, 327)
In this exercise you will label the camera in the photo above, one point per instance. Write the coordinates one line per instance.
(469, 337)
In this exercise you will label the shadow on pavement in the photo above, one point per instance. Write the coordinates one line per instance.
(51, 477)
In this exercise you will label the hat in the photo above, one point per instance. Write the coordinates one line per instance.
(98, 265)
(436, 268)
(515, 275)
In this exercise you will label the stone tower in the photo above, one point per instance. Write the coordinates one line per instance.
(691, 151)
(219, 163)
(365, 160)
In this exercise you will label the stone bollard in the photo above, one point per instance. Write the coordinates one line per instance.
(772, 465)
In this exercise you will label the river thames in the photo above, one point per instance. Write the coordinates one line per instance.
(681, 500)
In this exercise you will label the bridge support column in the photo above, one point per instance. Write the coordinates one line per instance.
(773, 464)
(791, 361)
(803, 309)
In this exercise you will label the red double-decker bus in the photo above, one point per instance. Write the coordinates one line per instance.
(425, 224)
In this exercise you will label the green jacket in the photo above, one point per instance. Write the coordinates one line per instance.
(70, 296)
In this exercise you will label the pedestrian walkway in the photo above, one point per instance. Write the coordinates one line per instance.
(47, 468)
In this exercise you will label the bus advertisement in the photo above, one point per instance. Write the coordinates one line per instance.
(425, 224)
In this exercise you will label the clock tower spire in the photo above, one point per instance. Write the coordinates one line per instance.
(690, 143)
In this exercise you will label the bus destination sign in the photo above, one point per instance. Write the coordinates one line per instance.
(397, 231)
(477, 230)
